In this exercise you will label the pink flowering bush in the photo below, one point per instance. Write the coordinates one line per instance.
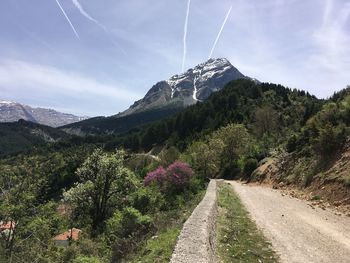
(157, 176)
(177, 175)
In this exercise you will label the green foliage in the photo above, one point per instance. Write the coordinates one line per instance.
(100, 125)
(33, 223)
(258, 106)
(308, 177)
(160, 248)
(104, 183)
(85, 259)
(204, 157)
(220, 154)
(347, 181)
(23, 135)
(126, 223)
(315, 198)
(249, 166)
(147, 200)
(325, 132)
(266, 121)
(159, 245)
(169, 155)
(329, 140)
(292, 143)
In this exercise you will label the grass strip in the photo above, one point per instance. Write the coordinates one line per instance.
(238, 238)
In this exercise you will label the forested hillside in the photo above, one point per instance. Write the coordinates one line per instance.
(267, 110)
(23, 135)
(117, 124)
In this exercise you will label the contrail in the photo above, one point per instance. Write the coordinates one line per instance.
(70, 23)
(98, 23)
(88, 16)
(185, 35)
(221, 29)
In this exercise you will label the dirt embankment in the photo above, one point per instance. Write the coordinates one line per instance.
(330, 188)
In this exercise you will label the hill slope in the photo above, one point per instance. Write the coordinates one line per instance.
(23, 135)
(317, 156)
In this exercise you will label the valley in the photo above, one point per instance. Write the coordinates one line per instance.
(131, 180)
(174, 131)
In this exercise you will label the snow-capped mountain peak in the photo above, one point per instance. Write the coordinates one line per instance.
(196, 84)
(6, 102)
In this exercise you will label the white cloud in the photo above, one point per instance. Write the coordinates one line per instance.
(32, 78)
(332, 39)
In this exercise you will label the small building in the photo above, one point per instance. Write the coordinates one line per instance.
(65, 238)
(7, 228)
(9, 225)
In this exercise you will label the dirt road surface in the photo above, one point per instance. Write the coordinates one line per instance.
(298, 232)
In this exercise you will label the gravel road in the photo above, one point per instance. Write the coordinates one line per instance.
(298, 232)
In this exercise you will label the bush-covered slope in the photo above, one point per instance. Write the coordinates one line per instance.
(23, 135)
(317, 155)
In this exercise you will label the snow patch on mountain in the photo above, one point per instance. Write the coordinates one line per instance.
(196, 84)
(11, 111)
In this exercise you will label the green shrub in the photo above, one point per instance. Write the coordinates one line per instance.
(84, 259)
(148, 199)
(316, 198)
(292, 143)
(249, 166)
(347, 181)
(127, 222)
(230, 170)
(309, 176)
(330, 140)
(125, 230)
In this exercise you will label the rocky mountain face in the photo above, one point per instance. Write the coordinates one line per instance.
(164, 99)
(182, 90)
(12, 111)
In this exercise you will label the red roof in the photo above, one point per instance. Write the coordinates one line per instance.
(7, 225)
(72, 233)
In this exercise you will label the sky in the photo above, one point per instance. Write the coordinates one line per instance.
(95, 58)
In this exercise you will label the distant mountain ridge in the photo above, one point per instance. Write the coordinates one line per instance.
(11, 111)
(196, 84)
